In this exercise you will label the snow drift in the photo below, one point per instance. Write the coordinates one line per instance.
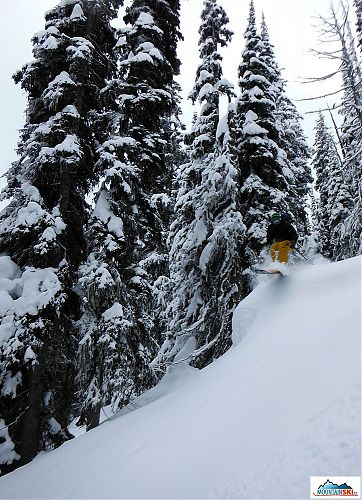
(282, 405)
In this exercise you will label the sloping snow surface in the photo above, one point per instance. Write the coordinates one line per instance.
(280, 406)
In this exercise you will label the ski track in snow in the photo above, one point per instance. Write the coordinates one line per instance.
(283, 404)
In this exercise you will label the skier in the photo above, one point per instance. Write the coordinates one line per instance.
(281, 236)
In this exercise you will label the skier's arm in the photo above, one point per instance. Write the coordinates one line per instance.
(293, 236)
(270, 234)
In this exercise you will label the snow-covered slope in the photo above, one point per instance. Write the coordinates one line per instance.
(282, 405)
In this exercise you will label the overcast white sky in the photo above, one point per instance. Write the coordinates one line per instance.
(290, 27)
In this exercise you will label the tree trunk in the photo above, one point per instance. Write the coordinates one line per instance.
(93, 416)
(30, 425)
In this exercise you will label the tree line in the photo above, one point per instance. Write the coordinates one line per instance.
(338, 157)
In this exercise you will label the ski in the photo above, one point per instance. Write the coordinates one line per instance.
(270, 271)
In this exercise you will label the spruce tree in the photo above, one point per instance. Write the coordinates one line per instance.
(261, 161)
(298, 172)
(335, 200)
(207, 231)
(337, 28)
(268, 56)
(291, 138)
(352, 141)
(123, 277)
(343, 204)
(325, 161)
(209, 82)
(42, 239)
(151, 67)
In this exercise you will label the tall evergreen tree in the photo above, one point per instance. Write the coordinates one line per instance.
(206, 234)
(298, 173)
(268, 56)
(292, 139)
(351, 138)
(337, 28)
(122, 278)
(153, 42)
(42, 239)
(335, 200)
(209, 82)
(261, 161)
(325, 162)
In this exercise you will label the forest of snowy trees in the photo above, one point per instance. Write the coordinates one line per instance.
(127, 243)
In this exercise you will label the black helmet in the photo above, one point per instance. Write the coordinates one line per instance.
(286, 217)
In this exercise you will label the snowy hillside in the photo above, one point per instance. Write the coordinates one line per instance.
(280, 406)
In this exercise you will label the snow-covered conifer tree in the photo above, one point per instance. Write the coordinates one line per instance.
(325, 161)
(42, 238)
(337, 28)
(123, 276)
(352, 140)
(209, 82)
(150, 68)
(262, 163)
(294, 143)
(207, 232)
(292, 139)
(268, 56)
(335, 199)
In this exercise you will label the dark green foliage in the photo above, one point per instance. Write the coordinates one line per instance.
(209, 83)
(291, 138)
(327, 167)
(261, 161)
(298, 173)
(335, 200)
(206, 233)
(127, 264)
(42, 230)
